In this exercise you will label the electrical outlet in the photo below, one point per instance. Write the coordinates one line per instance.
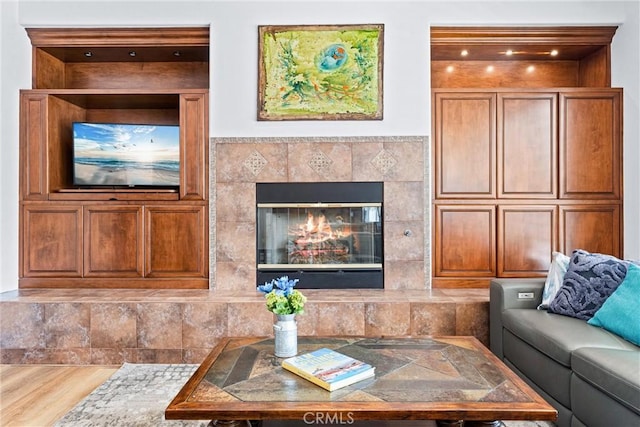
(525, 295)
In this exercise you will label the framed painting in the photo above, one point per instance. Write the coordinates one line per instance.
(320, 72)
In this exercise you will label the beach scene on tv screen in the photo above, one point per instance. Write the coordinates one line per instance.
(126, 154)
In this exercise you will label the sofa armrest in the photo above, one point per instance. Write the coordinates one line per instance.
(510, 293)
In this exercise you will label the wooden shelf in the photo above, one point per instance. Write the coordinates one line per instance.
(104, 194)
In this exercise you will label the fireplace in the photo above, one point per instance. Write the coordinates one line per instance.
(327, 234)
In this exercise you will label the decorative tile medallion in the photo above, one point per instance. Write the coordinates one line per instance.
(320, 163)
(384, 161)
(255, 163)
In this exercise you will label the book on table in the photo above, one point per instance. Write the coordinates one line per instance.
(328, 368)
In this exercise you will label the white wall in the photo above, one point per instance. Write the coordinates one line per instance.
(234, 68)
(15, 56)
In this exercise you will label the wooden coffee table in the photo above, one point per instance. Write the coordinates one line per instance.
(447, 379)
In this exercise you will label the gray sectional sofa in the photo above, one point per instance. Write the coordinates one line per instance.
(591, 376)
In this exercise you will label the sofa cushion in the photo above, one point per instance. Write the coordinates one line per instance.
(557, 336)
(619, 313)
(555, 278)
(547, 374)
(588, 282)
(615, 372)
(594, 408)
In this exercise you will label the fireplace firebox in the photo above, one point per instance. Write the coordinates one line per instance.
(328, 235)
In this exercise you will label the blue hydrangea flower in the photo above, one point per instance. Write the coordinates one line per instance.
(281, 286)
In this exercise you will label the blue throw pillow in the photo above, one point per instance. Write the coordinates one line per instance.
(620, 313)
(588, 282)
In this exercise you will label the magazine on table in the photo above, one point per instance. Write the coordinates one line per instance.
(329, 369)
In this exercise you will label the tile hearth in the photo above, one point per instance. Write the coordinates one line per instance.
(100, 326)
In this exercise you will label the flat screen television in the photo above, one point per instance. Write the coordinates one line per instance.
(126, 155)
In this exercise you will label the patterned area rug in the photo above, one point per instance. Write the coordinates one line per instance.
(137, 395)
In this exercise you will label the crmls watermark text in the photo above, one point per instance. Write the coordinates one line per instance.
(328, 418)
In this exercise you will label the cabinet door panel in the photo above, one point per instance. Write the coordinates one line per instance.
(193, 146)
(526, 239)
(465, 241)
(595, 228)
(33, 146)
(176, 241)
(590, 154)
(527, 141)
(113, 241)
(465, 127)
(52, 241)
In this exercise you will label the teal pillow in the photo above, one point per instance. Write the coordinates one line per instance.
(620, 313)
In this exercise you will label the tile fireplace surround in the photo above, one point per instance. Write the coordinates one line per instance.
(106, 326)
(398, 162)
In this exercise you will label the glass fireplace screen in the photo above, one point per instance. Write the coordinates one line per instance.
(319, 236)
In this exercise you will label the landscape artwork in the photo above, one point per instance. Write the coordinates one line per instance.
(129, 155)
(320, 72)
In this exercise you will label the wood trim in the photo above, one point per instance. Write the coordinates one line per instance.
(113, 283)
(114, 37)
(566, 35)
(466, 283)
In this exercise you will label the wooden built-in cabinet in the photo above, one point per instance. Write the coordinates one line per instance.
(520, 174)
(527, 150)
(113, 237)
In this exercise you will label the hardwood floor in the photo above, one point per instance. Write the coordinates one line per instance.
(39, 395)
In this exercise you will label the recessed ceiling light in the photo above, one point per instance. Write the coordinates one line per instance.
(465, 52)
(554, 52)
(530, 69)
(509, 52)
(490, 68)
(450, 69)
